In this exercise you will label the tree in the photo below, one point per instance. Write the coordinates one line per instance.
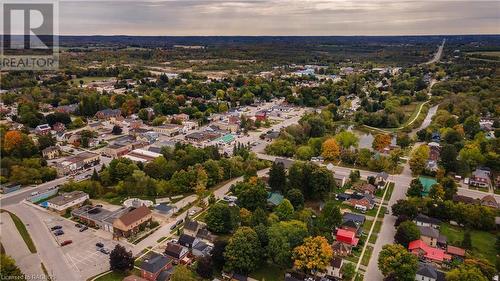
(450, 188)
(220, 219)
(437, 192)
(117, 130)
(467, 241)
(354, 175)
(330, 150)
(448, 157)
(283, 237)
(329, 218)
(418, 159)
(277, 177)
(348, 271)
(204, 267)
(95, 175)
(217, 253)
(259, 216)
(415, 189)
(407, 232)
(404, 207)
(120, 259)
(296, 198)
(182, 273)
(243, 252)
(381, 141)
(250, 195)
(346, 139)
(403, 140)
(9, 269)
(284, 210)
(471, 126)
(465, 273)
(314, 254)
(394, 260)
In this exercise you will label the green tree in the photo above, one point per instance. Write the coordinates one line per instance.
(418, 159)
(467, 241)
(182, 273)
(471, 126)
(220, 218)
(296, 198)
(284, 210)
(120, 259)
(283, 237)
(243, 252)
(304, 152)
(395, 261)
(346, 139)
(450, 187)
(277, 177)
(465, 273)
(9, 269)
(407, 232)
(329, 218)
(415, 189)
(348, 271)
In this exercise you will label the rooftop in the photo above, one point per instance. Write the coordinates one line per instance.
(65, 198)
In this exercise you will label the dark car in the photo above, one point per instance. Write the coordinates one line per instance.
(58, 232)
(179, 222)
(56, 227)
(173, 226)
(67, 242)
(78, 225)
(99, 244)
(104, 251)
(99, 206)
(84, 228)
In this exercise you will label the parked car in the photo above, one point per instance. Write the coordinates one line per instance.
(84, 228)
(56, 227)
(34, 193)
(99, 245)
(58, 232)
(67, 242)
(99, 206)
(78, 225)
(192, 212)
(179, 221)
(104, 251)
(173, 227)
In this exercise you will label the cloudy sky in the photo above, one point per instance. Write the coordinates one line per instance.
(279, 17)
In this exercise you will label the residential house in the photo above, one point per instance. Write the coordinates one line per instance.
(205, 234)
(489, 201)
(465, 199)
(427, 272)
(363, 202)
(202, 136)
(340, 249)
(431, 236)
(201, 249)
(426, 252)
(67, 200)
(71, 108)
(480, 178)
(365, 188)
(187, 240)
(183, 117)
(274, 199)
(381, 178)
(108, 113)
(261, 115)
(59, 127)
(333, 269)
(51, 152)
(152, 266)
(456, 252)
(129, 223)
(347, 237)
(423, 220)
(340, 180)
(191, 227)
(43, 129)
(434, 151)
(353, 222)
(176, 251)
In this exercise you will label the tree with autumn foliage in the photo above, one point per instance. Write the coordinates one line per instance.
(381, 141)
(395, 261)
(314, 254)
(418, 159)
(330, 150)
(17, 144)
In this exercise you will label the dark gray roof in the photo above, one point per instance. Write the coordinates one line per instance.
(429, 231)
(185, 239)
(427, 271)
(164, 208)
(353, 217)
(425, 219)
(336, 262)
(155, 263)
(191, 225)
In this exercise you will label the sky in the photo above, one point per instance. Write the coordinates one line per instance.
(278, 17)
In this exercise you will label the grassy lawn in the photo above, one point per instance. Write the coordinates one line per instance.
(373, 212)
(88, 79)
(378, 226)
(483, 243)
(367, 225)
(389, 192)
(373, 238)
(366, 257)
(23, 231)
(268, 272)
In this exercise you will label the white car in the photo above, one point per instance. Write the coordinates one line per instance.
(34, 193)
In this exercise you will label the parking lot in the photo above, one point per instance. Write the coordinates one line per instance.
(82, 254)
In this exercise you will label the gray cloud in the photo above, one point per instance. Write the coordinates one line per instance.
(279, 17)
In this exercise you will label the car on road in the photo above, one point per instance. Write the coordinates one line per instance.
(78, 225)
(98, 206)
(173, 227)
(34, 193)
(104, 251)
(58, 232)
(67, 242)
(56, 227)
(192, 212)
(99, 245)
(83, 228)
(179, 221)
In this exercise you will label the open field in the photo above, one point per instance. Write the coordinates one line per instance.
(483, 243)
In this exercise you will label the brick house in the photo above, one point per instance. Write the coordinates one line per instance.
(129, 223)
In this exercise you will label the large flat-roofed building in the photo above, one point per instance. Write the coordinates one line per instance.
(115, 150)
(78, 162)
(168, 129)
(67, 200)
(99, 217)
(142, 155)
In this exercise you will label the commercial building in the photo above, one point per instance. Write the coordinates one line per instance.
(129, 223)
(67, 200)
(78, 162)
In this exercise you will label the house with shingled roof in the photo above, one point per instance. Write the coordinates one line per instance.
(426, 252)
(129, 223)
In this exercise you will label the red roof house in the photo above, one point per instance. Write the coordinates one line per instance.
(347, 237)
(419, 248)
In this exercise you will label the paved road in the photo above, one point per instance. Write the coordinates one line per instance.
(427, 121)
(438, 54)
(48, 250)
(29, 263)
